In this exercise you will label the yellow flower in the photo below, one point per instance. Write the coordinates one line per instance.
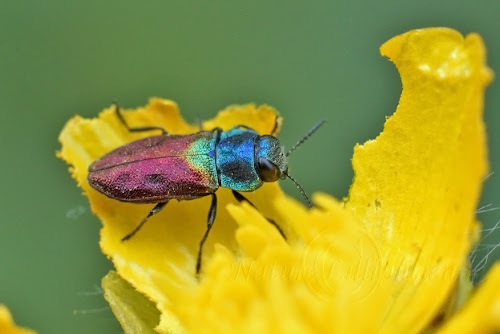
(390, 258)
(7, 325)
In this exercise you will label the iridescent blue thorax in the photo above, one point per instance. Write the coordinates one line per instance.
(239, 154)
(235, 160)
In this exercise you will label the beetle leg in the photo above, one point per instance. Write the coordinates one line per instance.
(210, 221)
(153, 211)
(275, 128)
(273, 132)
(136, 129)
(241, 126)
(240, 198)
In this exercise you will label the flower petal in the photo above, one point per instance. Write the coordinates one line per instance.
(417, 185)
(7, 325)
(309, 284)
(133, 310)
(481, 314)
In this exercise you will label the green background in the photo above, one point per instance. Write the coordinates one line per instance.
(311, 60)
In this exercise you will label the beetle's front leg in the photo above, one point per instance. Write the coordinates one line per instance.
(240, 198)
(272, 133)
(210, 221)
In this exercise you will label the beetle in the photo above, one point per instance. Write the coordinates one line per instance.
(160, 168)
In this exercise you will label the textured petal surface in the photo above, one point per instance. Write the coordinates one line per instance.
(417, 185)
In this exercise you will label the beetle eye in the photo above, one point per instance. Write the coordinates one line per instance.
(268, 172)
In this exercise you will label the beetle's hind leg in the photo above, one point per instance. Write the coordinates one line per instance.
(153, 211)
(210, 221)
(135, 129)
(240, 198)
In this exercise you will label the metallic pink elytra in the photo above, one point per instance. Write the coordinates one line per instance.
(158, 168)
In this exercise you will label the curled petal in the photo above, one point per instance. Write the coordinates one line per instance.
(417, 184)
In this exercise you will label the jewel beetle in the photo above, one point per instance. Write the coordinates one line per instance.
(160, 168)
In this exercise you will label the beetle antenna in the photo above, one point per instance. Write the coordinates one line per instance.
(306, 137)
(302, 191)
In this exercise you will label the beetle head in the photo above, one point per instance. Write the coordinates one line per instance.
(270, 159)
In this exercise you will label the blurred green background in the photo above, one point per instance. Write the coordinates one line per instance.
(310, 60)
